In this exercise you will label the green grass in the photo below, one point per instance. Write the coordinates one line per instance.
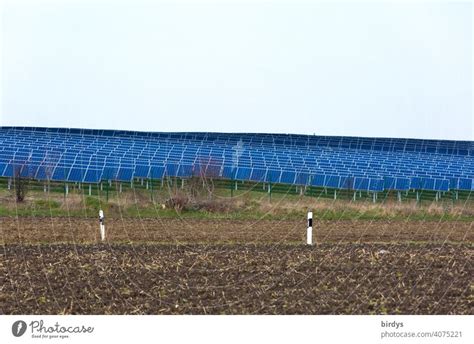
(285, 203)
(47, 204)
(92, 203)
(251, 214)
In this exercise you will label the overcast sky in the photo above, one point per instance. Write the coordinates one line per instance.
(360, 69)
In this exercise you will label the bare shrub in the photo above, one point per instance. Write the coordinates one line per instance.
(20, 182)
(197, 187)
(178, 201)
(201, 184)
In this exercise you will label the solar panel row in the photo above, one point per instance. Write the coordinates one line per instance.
(372, 164)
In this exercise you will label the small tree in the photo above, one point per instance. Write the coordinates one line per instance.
(204, 173)
(199, 189)
(20, 182)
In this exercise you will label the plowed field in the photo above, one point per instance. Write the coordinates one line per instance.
(56, 266)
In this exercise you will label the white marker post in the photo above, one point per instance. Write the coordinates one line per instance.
(102, 225)
(309, 231)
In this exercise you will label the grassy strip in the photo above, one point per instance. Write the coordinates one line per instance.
(252, 214)
(222, 187)
(253, 204)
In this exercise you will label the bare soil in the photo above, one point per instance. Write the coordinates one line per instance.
(237, 279)
(180, 266)
(30, 230)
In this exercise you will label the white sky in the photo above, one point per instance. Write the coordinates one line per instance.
(359, 69)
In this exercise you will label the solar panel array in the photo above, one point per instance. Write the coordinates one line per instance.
(371, 164)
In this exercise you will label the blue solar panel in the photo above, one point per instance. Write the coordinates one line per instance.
(288, 177)
(157, 172)
(346, 183)
(441, 185)
(454, 183)
(125, 174)
(361, 183)
(229, 172)
(425, 183)
(376, 185)
(273, 176)
(92, 176)
(185, 171)
(318, 180)
(61, 173)
(171, 170)
(8, 171)
(28, 171)
(336, 162)
(302, 178)
(465, 184)
(76, 174)
(399, 184)
(258, 175)
(243, 173)
(416, 183)
(198, 169)
(332, 182)
(389, 183)
(428, 184)
(213, 171)
(110, 172)
(142, 171)
(402, 184)
(43, 173)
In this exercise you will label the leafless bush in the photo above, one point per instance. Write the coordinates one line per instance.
(178, 201)
(201, 184)
(20, 183)
(198, 188)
